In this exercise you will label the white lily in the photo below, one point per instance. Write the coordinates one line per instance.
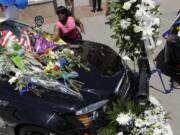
(12, 79)
(124, 24)
(156, 21)
(138, 13)
(139, 123)
(120, 133)
(133, 1)
(157, 131)
(127, 37)
(127, 5)
(137, 28)
(126, 58)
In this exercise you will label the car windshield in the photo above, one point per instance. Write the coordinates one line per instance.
(13, 26)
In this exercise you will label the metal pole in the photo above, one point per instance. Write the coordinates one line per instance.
(55, 4)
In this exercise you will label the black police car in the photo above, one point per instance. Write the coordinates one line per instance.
(57, 113)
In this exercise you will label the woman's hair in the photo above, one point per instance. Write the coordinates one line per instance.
(63, 10)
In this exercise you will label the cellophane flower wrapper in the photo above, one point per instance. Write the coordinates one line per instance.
(39, 68)
(42, 44)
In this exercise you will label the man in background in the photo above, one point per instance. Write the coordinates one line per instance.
(98, 2)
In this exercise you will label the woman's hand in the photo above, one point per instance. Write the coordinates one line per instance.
(82, 29)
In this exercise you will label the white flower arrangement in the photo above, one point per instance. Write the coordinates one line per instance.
(124, 24)
(152, 121)
(132, 120)
(139, 20)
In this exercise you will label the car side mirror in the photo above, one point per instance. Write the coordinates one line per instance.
(39, 21)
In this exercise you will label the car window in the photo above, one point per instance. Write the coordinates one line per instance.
(13, 26)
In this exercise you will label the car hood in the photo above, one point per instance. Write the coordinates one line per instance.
(106, 68)
(100, 82)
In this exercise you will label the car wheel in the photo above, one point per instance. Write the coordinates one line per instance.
(32, 130)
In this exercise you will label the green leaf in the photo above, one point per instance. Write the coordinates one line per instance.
(18, 61)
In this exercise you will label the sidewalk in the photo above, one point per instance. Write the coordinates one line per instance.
(77, 2)
(81, 10)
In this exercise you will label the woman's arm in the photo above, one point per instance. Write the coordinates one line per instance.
(80, 24)
(70, 25)
(56, 34)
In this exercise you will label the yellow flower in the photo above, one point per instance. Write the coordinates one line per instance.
(51, 54)
(49, 66)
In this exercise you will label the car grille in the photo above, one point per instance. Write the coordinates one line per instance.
(123, 86)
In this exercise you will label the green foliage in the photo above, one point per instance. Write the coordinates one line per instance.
(117, 14)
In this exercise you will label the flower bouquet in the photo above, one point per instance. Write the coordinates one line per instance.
(126, 118)
(135, 23)
(32, 62)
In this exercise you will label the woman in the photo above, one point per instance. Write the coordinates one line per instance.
(66, 27)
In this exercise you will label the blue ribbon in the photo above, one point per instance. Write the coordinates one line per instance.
(165, 34)
(68, 76)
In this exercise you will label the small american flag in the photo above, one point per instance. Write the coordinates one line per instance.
(23, 40)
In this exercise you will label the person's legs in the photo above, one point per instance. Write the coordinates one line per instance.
(70, 6)
(99, 5)
(67, 3)
(72, 9)
(94, 6)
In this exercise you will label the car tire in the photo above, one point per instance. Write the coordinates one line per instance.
(33, 130)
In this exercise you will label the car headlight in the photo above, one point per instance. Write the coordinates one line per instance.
(90, 113)
(91, 107)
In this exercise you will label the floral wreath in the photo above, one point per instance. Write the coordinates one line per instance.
(134, 22)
